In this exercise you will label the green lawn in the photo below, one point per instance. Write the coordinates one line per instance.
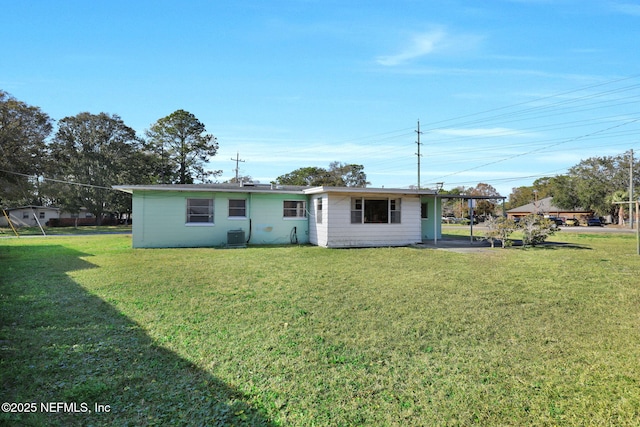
(50, 231)
(306, 336)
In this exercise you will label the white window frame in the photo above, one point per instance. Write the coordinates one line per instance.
(359, 209)
(395, 211)
(209, 215)
(300, 209)
(243, 208)
(319, 210)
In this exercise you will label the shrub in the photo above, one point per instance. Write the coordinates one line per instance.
(536, 229)
(499, 229)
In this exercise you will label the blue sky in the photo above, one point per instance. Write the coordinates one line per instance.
(506, 91)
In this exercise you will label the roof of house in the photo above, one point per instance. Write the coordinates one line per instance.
(239, 188)
(33, 207)
(543, 205)
(269, 188)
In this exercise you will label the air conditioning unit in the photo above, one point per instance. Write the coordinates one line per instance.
(235, 239)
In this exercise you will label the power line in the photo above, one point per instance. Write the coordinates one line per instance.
(57, 180)
(541, 148)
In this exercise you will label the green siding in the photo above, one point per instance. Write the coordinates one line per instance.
(159, 220)
(427, 224)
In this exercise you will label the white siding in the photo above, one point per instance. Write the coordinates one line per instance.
(318, 232)
(341, 233)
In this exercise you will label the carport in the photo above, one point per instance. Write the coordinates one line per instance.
(471, 204)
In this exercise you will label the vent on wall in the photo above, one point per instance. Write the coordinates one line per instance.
(235, 239)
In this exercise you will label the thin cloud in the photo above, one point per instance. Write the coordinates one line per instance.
(420, 45)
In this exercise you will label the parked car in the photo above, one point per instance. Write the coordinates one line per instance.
(572, 222)
(594, 222)
(558, 221)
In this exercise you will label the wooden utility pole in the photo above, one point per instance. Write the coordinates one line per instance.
(418, 153)
(237, 160)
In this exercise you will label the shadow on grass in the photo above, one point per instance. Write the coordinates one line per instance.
(464, 243)
(560, 245)
(59, 344)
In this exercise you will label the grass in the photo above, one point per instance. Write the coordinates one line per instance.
(61, 231)
(306, 336)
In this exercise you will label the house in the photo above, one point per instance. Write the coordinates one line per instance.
(25, 216)
(29, 216)
(207, 215)
(547, 208)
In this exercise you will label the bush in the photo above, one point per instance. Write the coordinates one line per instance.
(536, 229)
(500, 229)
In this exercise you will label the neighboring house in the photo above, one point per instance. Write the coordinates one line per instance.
(547, 208)
(25, 216)
(195, 215)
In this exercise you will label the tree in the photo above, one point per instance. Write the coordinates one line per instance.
(544, 187)
(485, 206)
(23, 132)
(455, 206)
(244, 178)
(617, 199)
(348, 175)
(308, 176)
(183, 146)
(338, 175)
(91, 153)
(595, 179)
(566, 193)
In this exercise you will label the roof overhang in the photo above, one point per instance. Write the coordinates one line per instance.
(209, 188)
(369, 190)
(263, 188)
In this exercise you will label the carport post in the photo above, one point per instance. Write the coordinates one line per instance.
(439, 186)
(638, 225)
(471, 205)
(435, 219)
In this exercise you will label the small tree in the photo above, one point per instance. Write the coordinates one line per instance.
(500, 229)
(536, 229)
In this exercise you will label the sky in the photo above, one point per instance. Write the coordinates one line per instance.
(505, 91)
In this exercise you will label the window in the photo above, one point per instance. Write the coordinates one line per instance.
(238, 208)
(41, 215)
(424, 210)
(200, 211)
(319, 210)
(375, 211)
(294, 209)
(356, 211)
(25, 215)
(394, 209)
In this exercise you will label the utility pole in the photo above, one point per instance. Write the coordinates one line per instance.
(631, 189)
(418, 153)
(237, 160)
